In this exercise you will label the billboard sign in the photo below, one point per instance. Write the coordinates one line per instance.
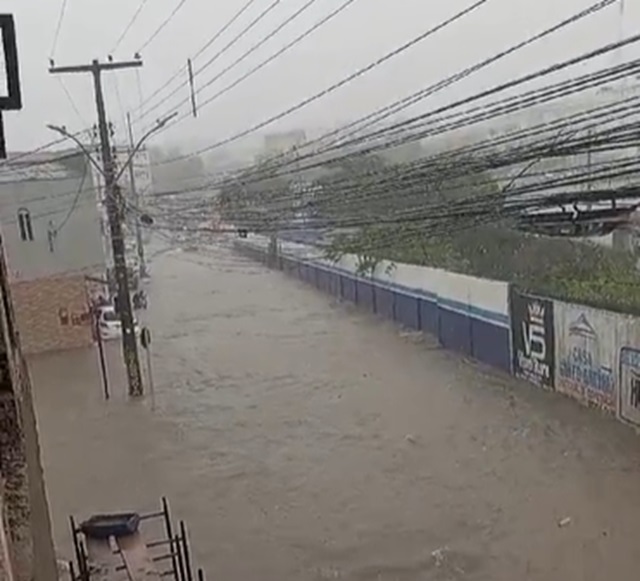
(586, 354)
(532, 338)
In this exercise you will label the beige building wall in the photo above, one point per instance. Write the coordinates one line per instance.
(52, 313)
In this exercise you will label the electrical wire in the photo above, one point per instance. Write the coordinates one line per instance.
(475, 97)
(217, 55)
(574, 83)
(269, 60)
(547, 184)
(202, 49)
(13, 158)
(252, 49)
(127, 28)
(162, 26)
(397, 106)
(568, 152)
(388, 56)
(587, 56)
(71, 100)
(56, 35)
(74, 204)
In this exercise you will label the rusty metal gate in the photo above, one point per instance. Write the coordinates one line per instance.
(114, 547)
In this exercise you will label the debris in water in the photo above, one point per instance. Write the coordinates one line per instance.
(565, 522)
(439, 555)
(415, 336)
(410, 438)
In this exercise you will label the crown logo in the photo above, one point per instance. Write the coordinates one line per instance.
(536, 310)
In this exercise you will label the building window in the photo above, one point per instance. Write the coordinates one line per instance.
(24, 225)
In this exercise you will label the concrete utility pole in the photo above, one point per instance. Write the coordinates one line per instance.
(115, 211)
(136, 201)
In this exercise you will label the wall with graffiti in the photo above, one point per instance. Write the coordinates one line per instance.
(587, 354)
(587, 342)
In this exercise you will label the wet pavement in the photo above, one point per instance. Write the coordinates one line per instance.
(303, 440)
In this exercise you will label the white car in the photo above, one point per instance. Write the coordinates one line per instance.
(110, 325)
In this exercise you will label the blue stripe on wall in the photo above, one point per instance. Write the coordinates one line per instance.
(460, 327)
(385, 302)
(407, 311)
(322, 280)
(334, 284)
(365, 297)
(348, 288)
(429, 317)
(491, 344)
(450, 304)
(454, 330)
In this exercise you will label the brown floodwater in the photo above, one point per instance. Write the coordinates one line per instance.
(304, 440)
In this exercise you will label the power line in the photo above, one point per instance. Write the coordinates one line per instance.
(270, 59)
(414, 98)
(598, 119)
(160, 28)
(116, 85)
(131, 22)
(477, 96)
(397, 51)
(308, 100)
(74, 204)
(216, 56)
(72, 101)
(542, 148)
(56, 35)
(251, 50)
(217, 35)
(12, 159)
(494, 141)
(571, 85)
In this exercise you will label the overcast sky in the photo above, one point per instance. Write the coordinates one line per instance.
(362, 33)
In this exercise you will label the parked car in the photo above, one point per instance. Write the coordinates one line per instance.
(109, 323)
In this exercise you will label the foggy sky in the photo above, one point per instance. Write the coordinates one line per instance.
(359, 35)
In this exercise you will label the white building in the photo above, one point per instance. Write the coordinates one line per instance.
(50, 222)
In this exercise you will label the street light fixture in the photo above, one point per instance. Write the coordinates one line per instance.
(159, 125)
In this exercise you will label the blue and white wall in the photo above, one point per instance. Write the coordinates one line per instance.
(587, 354)
(468, 315)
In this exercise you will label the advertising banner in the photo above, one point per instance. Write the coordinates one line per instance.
(629, 372)
(587, 354)
(532, 338)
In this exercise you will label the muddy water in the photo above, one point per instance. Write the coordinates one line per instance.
(302, 440)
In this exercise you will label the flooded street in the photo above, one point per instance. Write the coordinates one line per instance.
(303, 440)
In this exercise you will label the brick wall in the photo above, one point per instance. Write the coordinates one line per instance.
(52, 313)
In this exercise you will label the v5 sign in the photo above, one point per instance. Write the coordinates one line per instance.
(534, 334)
(532, 338)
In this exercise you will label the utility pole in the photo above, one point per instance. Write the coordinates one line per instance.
(192, 88)
(115, 211)
(136, 202)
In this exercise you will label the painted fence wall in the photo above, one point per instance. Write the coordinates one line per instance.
(467, 314)
(587, 354)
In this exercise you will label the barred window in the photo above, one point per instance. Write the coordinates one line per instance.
(24, 224)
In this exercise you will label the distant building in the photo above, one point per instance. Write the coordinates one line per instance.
(51, 228)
